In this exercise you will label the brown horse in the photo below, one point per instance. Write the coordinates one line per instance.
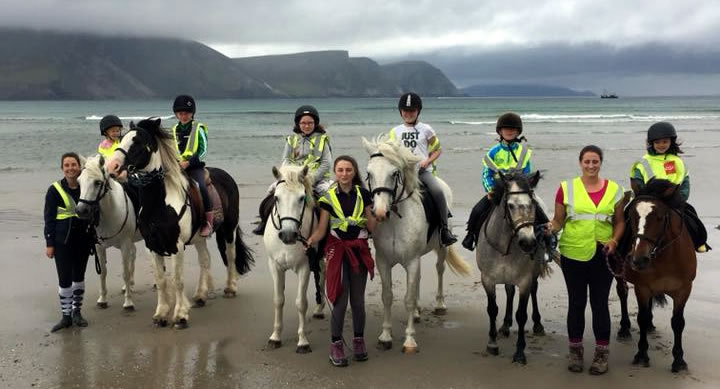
(662, 261)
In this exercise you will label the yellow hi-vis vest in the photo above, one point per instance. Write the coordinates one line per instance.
(68, 210)
(312, 159)
(191, 146)
(339, 220)
(585, 223)
(108, 151)
(664, 166)
(432, 147)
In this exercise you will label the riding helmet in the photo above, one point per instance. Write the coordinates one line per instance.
(509, 120)
(410, 101)
(109, 121)
(184, 103)
(661, 130)
(308, 110)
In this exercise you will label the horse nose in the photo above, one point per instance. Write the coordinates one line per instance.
(288, 237)
(527, 245)
(640, 262)
(82, 210)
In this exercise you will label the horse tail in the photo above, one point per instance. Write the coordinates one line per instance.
(660, 300)
(457, 263)
(222, 246)
(243, 254)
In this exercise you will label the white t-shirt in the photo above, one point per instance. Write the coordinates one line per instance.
(415, 137)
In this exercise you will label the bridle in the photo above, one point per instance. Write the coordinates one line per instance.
(278, 224)
(515, 224)
(398, 180)
(659, 242)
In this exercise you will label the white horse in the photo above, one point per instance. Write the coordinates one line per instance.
(507, 252)
(393, 181)
(104, 201)
(291, 222)
(166, 218)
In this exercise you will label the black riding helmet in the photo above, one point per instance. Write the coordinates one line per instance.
(661, 130)
(184, 103)
(109, 121)
(410, 101)
(509, 120)
(308, 110)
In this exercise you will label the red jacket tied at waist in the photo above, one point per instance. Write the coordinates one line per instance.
(337, 249)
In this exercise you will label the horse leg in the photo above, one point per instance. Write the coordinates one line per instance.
(201, 293)
(303, 346)
(162, 311)
(385, 271)
(182, 305)
(102, 258)
(651, 327)
(411, 296)
(538, 328)
(440, 307)
(507, 320)
(643, 319)
(622, 291)
(232, 274)
(278, 301)
(416, 311)
(319, 311)
(128, 256)
(492, 311)
(521, 317)
(678, 325)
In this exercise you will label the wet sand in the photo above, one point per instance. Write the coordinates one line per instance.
(225, 345)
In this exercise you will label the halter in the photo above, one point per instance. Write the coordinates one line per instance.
(658, 243)
(277, 225)
(515, 225)
(399, 179)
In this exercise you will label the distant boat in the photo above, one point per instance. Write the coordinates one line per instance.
(606, 95)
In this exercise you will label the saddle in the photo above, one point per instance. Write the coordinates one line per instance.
(196, 204)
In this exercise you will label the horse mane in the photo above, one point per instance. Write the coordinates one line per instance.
(400, 157)
(517, 175)
(292, 174)
(94, 167)
(662, 190)
(167, 151)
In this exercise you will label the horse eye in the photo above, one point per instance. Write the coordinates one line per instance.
(97, 183)
(301, 199)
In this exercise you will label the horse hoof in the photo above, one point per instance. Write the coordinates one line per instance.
(641, 360)
(102, 305)
(410, 350)
(384, 345)
(129, 308)
(624, 335)
(520, 358)
(181, 324)
(160, 322)
(651, 329)
(199, 303)
(318, 315)
(229, 293)
(539, 330)
(303, 349)
(679, 366)
(440, 311)
(504, 331)
(273, 344)
(493, 350)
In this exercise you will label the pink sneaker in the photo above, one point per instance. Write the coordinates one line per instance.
(337, 354)
(359, 351)
(206, 229)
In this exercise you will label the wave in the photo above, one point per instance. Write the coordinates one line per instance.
(95, 117)
(593, 118)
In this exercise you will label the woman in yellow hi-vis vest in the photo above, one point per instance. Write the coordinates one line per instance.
(68, 241)
(662, 162)
(345, 207)
(308, 145)
(587, 212)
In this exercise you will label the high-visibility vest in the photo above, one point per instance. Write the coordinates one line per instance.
(503, 160)
(585, 223)
(339, 220)
(312, 159)
(664, 166)
(432, 147)
(108, 151)
(191, 147)
(68, 210)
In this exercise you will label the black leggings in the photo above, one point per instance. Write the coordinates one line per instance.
(435, 190)
(71, 262)
(695, 227)
(354, 290)
(198, 174)
(579, 277)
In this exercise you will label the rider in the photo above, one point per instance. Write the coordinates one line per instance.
(507, 154)
(191, 141)
(68, 241)
(346, 208)
(662, 162)
(308, 145)
(110, 128)
(420, 138)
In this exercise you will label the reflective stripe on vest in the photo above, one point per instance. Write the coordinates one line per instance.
(108, 151)
(655, 166)
(312, 160)
(339, 220)
(519, 164)
(69, 210)
(191, 146)
(586, 223)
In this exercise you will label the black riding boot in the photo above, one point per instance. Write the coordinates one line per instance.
(446, 236)
(475, 221)
(696, 228)
(264, 210)
(77, 319)
(65, 322)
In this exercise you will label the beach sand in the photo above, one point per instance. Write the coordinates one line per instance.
(225, 345)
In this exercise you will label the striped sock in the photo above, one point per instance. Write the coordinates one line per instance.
(66, 300)
(78, 291)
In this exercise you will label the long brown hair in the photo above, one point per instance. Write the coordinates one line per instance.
(356, 178)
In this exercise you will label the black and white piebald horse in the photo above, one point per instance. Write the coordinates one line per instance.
(170, 217)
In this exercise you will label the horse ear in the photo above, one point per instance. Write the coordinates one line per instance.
(276, 173)
(305, 171)
(534, 179)
(368, 146)
(156, 122)
(132, 125)
(83, 160)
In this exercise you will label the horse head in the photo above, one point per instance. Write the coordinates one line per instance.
(515, 193)
(137, 148)
(293, 195)
(94, 186)
(391, 174)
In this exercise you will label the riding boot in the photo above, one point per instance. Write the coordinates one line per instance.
(337, 354)
(78, 291)
(446, 236)
(469, 240)
(77, 319)
(600, 361)
(65, 322)
(207, 228)
(264, 210)
(576, 358)
(475, 221)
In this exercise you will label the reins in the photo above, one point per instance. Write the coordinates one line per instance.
(398, 180)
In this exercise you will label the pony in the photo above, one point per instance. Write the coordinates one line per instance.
(661, 262)
(393, 182)
(169, 218)
(105, 202)
(508, 253)
(291, 221)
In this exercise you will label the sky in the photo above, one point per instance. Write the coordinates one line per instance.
(449, 31)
